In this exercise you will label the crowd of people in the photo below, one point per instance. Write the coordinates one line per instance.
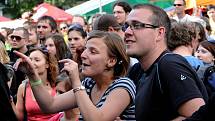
(138, 63)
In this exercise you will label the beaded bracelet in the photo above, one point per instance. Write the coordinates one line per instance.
(36, 82)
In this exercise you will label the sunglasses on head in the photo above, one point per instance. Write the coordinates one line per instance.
(18, 38)
(177, 5)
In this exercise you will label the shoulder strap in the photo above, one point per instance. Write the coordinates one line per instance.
(24, 98)
(157, 71)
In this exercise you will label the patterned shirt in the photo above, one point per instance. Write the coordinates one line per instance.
(129, 113)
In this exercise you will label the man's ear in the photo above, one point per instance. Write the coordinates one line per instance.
(161, 33)
(110, 29)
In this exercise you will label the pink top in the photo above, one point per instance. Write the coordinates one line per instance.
(57, 117)
(33, 110)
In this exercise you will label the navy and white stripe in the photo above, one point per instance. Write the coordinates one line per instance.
(129, 113)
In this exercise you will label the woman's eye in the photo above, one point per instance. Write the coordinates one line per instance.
(76, 38)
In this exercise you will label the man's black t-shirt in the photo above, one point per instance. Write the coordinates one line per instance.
(167, 84)
(19, 76)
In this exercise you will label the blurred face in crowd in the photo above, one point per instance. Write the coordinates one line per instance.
(119, 32)
(43, 29)
(60, 87)
(17, 39)
(39, 61)
(49, 43)
(78, 20)
(3, 32)
(179, 6)
(75, 41)
(204, 55)
(63, 28)
(32, 37)
(211, 14)
(120, 14)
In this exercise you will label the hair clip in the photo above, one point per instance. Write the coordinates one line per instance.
(120, 62)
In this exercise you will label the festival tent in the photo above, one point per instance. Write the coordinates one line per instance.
(205, 2)
(92, 7)
(194, 3)
(46, 9)
(13, 23)
(2, 18)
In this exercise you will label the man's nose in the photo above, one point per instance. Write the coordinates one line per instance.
(128, 31)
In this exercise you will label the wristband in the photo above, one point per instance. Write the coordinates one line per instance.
(36, 82)
(78, 89)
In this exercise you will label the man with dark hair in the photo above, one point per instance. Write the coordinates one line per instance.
(167, 86)
(108, 23)
(45, 26)
(121, 10)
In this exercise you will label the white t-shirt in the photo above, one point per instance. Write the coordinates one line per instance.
(186, 18)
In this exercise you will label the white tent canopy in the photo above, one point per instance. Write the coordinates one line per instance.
(12, 24)
(88, 6)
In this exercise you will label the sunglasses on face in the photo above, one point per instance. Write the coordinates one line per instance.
(177, 5)
(63, 28)
(17, 38)
(44, 27)
(139, 25)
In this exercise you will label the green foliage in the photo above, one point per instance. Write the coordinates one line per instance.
(15, 9)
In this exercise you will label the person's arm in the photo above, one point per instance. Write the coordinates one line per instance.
(184, 87)
(189, 107)
(47, 103)
(115, 103)
(19, 110)
(50, 104)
